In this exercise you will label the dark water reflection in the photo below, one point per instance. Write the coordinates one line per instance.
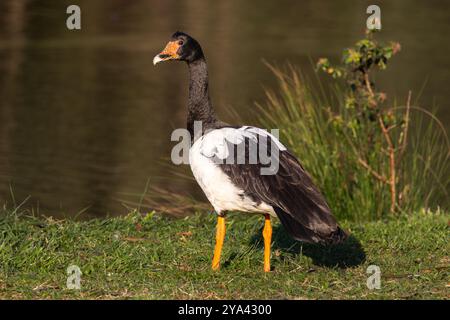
(85, 119)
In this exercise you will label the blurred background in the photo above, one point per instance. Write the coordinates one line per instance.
(85, 118)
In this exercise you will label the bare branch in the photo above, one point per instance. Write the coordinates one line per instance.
(392, 170)
(405, 131)
(372, 171)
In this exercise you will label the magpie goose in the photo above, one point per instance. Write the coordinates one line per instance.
(228, 165)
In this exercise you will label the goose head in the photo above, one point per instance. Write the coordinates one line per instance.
(181, 47)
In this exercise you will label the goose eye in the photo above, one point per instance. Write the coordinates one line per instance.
(181, 42)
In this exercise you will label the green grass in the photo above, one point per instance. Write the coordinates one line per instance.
(154, 257)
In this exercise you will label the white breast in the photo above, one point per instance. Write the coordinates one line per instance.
(217, 186)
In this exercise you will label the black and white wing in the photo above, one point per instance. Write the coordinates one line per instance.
(298, 203)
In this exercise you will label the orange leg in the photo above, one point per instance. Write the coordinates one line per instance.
(220, 236)
(267, 235)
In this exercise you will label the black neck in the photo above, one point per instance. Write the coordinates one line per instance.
(199, 105)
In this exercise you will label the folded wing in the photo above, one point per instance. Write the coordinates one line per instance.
(298, 203)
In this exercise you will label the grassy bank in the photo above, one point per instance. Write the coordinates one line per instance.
(154, 257)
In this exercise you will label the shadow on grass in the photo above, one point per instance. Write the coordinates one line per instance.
(348, 254)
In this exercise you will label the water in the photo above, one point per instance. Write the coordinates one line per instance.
(85, 119)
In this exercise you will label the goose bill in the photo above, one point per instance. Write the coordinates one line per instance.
(169, 53)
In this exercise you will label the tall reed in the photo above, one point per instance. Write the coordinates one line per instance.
(350, 160)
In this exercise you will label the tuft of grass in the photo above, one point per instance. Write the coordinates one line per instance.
(156, 257)
(311, 123)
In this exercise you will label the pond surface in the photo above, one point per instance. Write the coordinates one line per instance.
(85, 118)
